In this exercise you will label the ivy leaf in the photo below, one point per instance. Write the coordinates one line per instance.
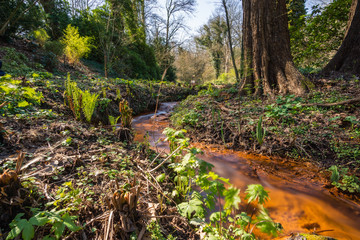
(232, 199)
(256, 192)
(192, 208)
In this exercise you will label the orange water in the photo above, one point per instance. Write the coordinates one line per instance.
(297, 193)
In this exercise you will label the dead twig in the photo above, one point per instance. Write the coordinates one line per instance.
(162, 163)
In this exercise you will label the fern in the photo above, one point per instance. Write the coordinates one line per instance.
(73, 95)
(88, 104)
(113, 121)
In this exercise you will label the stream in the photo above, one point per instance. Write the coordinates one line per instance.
(298, 199)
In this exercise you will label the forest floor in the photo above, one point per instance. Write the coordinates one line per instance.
(73, 180)
(322, 127)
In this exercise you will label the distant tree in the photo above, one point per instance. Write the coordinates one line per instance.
(212, 37)
(57, 16)
(167, 28)
(190, 64)
(347, 58)
(269, 68)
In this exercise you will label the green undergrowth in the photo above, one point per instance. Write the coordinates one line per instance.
(199, 191)
(288, 126)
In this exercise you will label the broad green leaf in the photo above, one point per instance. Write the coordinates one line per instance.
(28, 231)
(256, 192)
(38, 220)
(58, 228)
(14, 232)
(266, 224)
(69, 222)
(232, 198)
(192, 208)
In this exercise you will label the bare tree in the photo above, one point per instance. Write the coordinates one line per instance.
(167, 28)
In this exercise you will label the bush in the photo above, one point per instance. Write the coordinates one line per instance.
(41, 36)
(76, 46)
(55, 47)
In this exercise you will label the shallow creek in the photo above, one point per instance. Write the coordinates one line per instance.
(298, 199)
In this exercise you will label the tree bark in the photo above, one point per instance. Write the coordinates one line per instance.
(269, 68)
(347, 58)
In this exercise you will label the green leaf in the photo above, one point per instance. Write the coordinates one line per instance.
(266, 224)
(160, 178)
(192, 208)
(38, 220)
(58, 228)
(256, 192)
(14, 232)
(28, 231)
(23, 104)
(232, 198)
(69, 222)
(335, 176)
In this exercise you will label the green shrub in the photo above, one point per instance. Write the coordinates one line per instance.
(55, 47)
(41, 36)
(16, 63)
(76, 46)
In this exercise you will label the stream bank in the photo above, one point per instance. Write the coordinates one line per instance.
(299, 200)
(322, 127)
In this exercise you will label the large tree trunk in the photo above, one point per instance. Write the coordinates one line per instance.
(269, 68)
(347, 58)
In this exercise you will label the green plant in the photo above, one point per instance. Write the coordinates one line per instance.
(18, 97)
(126, 114)
(260, 132)
(67, 197)
(88, 104)
(342, 180)
(58, 220)
(113, 121)
(73, 96)
(191, 171)
(56, 47)
(76, 46)
(154, 228)
(80, 101)
(41, 36)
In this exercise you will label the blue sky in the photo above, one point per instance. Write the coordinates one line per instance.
(204, 10)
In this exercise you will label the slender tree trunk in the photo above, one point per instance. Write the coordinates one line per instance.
(347, 58)
(268, 64)
(230, 40)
